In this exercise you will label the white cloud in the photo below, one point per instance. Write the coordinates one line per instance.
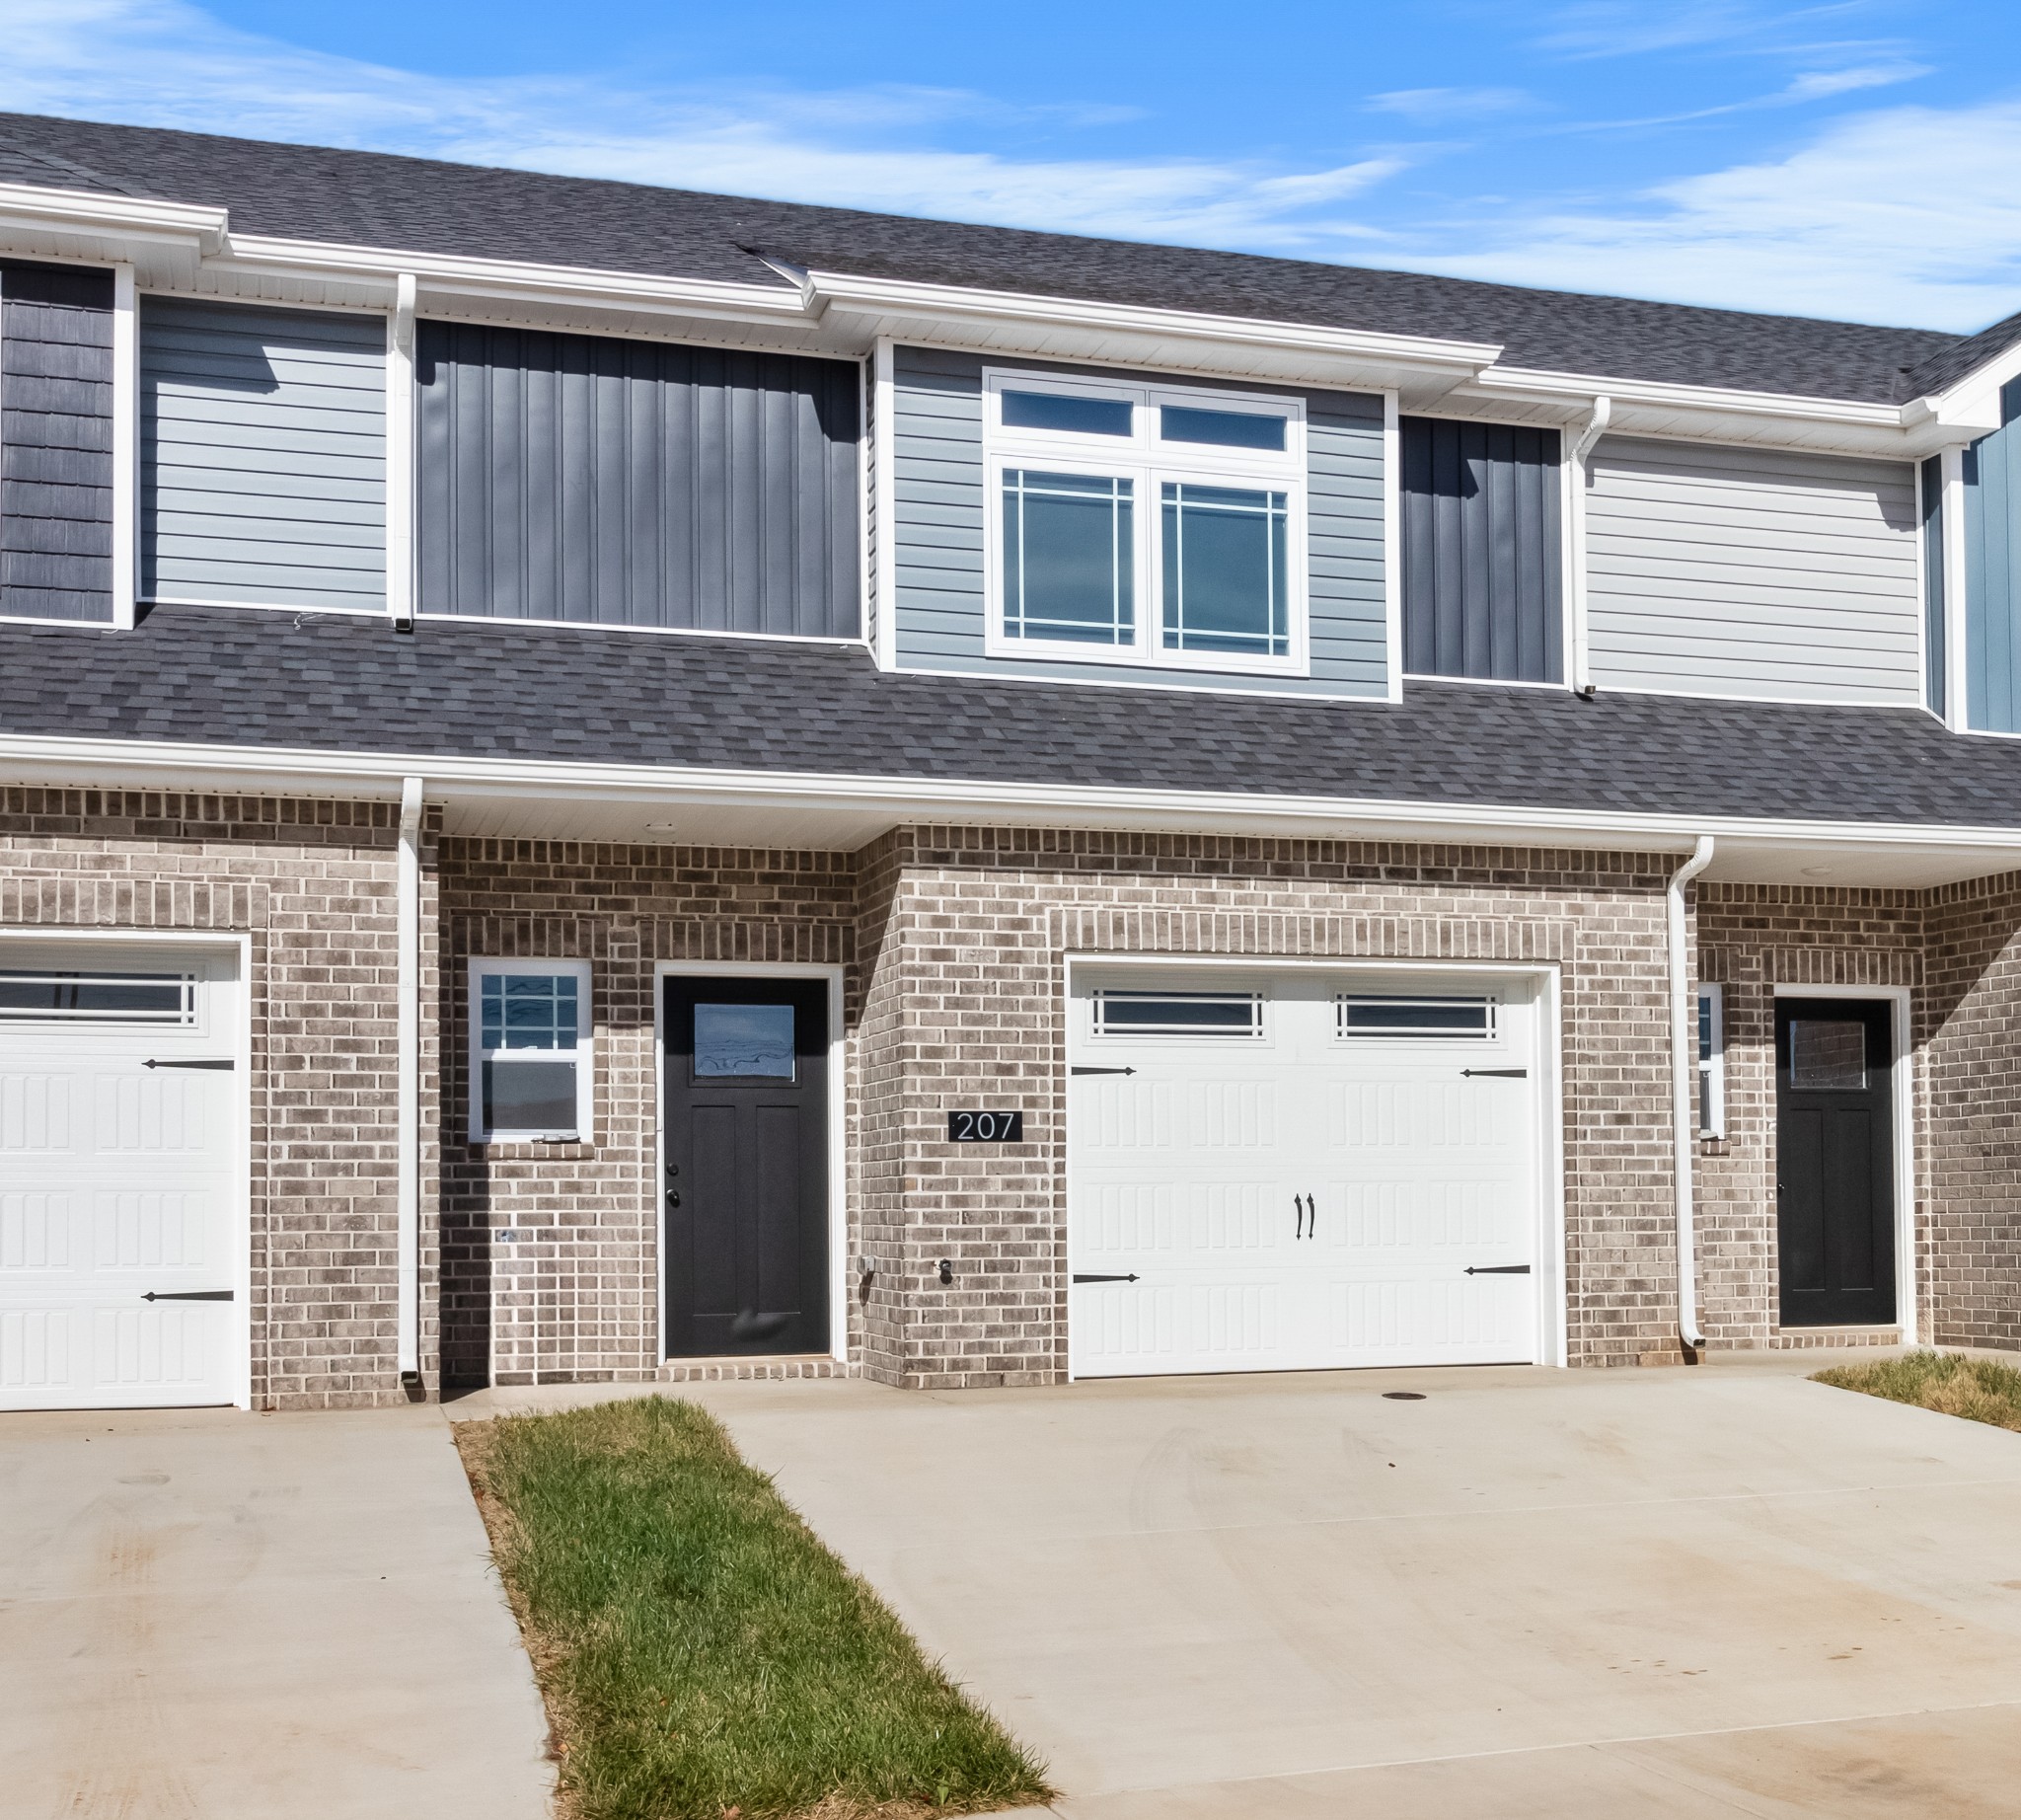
(167, 63)
(1448, 104)
(1903, 214)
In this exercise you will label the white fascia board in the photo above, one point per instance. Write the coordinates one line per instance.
(159, 764)
(1071, 327)
(1970, 406)
(191, 224)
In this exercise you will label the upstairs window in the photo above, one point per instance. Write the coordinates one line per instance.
(530, 1077)
(1146, 525)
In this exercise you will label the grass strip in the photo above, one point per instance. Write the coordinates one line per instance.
(1978, 1390)
(703, 1655)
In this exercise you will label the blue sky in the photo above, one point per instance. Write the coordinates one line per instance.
(1854, 160)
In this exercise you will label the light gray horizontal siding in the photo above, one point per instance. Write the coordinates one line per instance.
(1751, 572)
(263, 455)
(935, 523)
(56, 442)
(625, 483)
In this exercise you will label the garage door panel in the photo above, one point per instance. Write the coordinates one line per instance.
(1205, 1225)
(35, 1112)
(1180, 1327)
(152, 1112)
(154, 1347)
(1451, 1113)
(1432, 1321)
(35, 1229)
(34, 1354)
(1195, 1115)
(153, 1229)
(1464, 1217)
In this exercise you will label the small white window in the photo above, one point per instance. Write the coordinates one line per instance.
(1178, 1013)
(54, 996)
(1386, 1014)
(530, 1061)
(1711, 1062)
(1145, 524)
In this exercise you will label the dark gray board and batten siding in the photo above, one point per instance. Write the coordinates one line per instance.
(1483, 551)
(622, 483)
(262, 473)
(936, 524)
(55, 443)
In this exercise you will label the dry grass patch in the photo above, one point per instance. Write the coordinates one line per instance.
(1978, 1390)
(703, 1655)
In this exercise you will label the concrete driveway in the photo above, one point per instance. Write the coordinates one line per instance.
(210, 1616)
(1650, 1593)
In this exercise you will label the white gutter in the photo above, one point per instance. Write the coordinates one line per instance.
(1684, 1059)
(407, 1117)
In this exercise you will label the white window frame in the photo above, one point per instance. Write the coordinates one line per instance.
(1711, 1061)
(1148, 462)
(1489, 1033)
(583, 1054)
(1102, 1031)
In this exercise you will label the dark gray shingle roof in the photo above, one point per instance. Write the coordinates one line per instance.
(372, 198)
(230, 678)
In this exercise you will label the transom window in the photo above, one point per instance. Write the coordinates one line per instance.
(34, 995)
(1388, 1015)
(530, 1073)
(1146, 524)
(1178, 1013)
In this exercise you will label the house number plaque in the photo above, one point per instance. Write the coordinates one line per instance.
(986, 1127)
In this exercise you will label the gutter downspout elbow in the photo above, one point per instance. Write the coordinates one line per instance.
(1683, 1073)
(408, 1093)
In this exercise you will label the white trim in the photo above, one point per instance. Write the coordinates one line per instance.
(579, 625)
(240, 948)
(1484, 682)
(1552, 1276)
(583, 1055)
(1712, 1066)
(1904, 1091)
(1956, 705)
(1720, 695)
(126, 448)
(376, 776)
(1578, 455)
(1392, 544)
(408, 1089)
(885, 454)
(400, 456)
(262, 606)
(837, 1111)
(1922, 588)
(866, 458)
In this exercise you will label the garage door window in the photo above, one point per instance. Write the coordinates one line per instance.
(1178, 1013)
(52, 997)
(1382, 1014)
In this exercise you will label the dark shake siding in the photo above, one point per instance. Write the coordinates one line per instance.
(56, 442)
(614, 483)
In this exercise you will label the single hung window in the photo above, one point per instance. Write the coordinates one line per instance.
(1224, 570)
(1069, 557)
(1711, 1062)
(1068, 412)
(59, 997)
(1396, 1015)
(1226, 429)
(529, 1049)
(1178, 1013)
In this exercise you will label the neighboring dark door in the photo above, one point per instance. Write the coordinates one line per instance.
(747, 1166)
(1834, 1149)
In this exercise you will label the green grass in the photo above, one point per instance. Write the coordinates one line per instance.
(701, 1653)
(1978, 1390)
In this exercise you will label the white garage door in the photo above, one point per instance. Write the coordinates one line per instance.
(120, 1140)
(1303, 1170)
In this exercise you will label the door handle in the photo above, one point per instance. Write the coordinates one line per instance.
(1311, 1218)
(1298, 1216)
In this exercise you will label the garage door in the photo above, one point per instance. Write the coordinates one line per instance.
(1303, 1170)
(119, 1137)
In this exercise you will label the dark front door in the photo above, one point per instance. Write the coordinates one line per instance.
(747, 1166)
(1834, 1147)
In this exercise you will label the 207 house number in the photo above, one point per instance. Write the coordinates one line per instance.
(986, 1127)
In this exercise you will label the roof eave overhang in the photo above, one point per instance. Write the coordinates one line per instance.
(702, 806)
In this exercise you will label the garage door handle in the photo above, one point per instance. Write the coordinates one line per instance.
(1104, 1280)
(1102, 1071)
(188, 1295)
(1497, 1269)
(1494, 1074)
(223, 1064)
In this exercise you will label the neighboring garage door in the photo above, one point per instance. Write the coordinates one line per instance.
(120, 1237)
(1303, 1170)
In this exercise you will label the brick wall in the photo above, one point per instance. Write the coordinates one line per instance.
(312, 884)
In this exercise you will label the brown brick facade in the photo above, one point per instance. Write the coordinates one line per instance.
(952, 942)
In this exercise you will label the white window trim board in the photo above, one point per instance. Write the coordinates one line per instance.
(884, 464)
(838, 1153)
(1392, 544)
(1905, 1091)
(401, 331)
(1147, 464)
(126, 448)
(583, 1055)
(240, 948)
(1957, 709)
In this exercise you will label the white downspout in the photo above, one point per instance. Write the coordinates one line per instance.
(408, 940)
(1575, 527)
(1683, 1056)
